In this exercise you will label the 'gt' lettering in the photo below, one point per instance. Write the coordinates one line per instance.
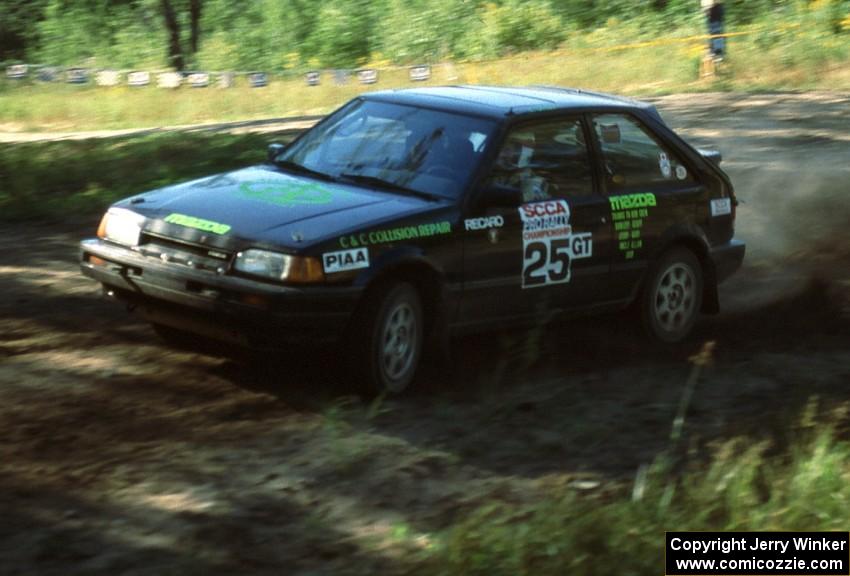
(581, 245)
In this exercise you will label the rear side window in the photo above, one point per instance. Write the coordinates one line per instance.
(633, 158)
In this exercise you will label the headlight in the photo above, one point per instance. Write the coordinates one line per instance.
(121, 226)
(282, 267)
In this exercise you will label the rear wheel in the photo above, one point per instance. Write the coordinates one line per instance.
(388, 339)
(672, 296)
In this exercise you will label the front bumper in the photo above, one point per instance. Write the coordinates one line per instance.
(727, 258)
(221, 306)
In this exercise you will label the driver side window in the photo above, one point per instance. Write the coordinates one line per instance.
(545, 160)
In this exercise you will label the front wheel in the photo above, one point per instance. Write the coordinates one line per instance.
(388, 339)
(672, 296)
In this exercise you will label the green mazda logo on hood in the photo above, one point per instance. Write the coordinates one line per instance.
(286, 193)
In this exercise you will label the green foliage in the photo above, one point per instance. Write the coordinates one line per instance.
(70, 35)
(523, 25)
(429, 30)
(51, 179)
(593, 13)
(342, 33)
(245, 35)
(839, 16)
(100, 33)
(277, 34)
(747, 11)
(809, 40)
(18, 27)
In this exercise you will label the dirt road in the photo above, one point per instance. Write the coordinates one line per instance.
(119, 455)
(292, 124)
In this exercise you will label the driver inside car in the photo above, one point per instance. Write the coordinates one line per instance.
(514, 167)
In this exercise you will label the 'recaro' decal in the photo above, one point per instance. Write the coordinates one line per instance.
(628, 213)
(395, 234)
(197, 223)
(548, 243)
(345, 260)
(290, 193)
(484, 223)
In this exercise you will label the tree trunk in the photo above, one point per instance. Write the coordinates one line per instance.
(195, 15)
(175, 50)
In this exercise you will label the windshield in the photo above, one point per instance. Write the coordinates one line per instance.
(401, 147)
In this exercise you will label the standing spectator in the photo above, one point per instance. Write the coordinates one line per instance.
(714, 14)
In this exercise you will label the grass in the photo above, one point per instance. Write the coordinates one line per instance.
(791, 476)
(745, 487)
(82, 177)
(773, 55)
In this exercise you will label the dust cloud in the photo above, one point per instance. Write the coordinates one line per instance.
(788, 156)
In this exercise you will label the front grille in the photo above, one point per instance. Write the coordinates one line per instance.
(184, 253)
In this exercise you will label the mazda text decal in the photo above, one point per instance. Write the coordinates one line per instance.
(628, 213)
(345, 260)
(548, 243)
(197, 223)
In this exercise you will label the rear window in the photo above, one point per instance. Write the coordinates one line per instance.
(633, 158)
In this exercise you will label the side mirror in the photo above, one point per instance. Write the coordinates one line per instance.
(711, 155)
(501, 196)
(275, 148)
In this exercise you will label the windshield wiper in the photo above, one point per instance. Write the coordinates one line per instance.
(386, 184)
(301, 169)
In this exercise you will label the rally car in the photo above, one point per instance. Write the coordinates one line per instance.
(409, 215)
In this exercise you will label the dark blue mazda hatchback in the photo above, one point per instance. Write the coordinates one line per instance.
(407, 216)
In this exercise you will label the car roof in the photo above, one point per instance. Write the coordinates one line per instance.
(502, 101)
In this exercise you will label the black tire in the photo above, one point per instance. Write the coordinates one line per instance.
(672, 296)
(387, 339)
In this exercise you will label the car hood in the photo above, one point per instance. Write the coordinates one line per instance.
(266, 204)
